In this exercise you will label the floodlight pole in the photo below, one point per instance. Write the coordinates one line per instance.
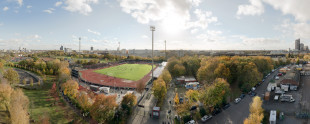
(152, 29)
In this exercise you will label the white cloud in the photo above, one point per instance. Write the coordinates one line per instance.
(5, 8)
(298, 8)
(94, 32)
(144, 36)
(158, 10)
(204, 19)
(256, 7)
(58, 3)
(1, 24)
(194, 31)
(50, 10)
(81, 6)
(20, 2)
(211, 36)
(28, 7)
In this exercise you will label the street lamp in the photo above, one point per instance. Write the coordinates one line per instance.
(152, 28)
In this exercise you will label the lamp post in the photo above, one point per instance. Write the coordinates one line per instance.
(152, 28)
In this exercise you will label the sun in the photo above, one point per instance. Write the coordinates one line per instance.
(173, 24)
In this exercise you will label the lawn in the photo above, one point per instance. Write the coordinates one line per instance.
(41, 103)
(127, 71)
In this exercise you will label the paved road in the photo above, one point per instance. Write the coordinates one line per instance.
(236, 113)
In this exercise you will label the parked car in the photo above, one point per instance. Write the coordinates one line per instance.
(242, 96)
(193, 108)
(206, 117)
(226, 106)
(253, 88)
(277, 78)
(216, 111)
(237, 100)
(252, 94)
(279, 74)
(191, 122)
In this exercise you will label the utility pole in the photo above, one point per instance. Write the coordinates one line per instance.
(80, 45)
(166, 51)
(152, 29)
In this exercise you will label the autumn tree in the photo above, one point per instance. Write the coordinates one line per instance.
(192, 96)
(191, 64)
(18, 107)
(84, 101)
(1, 67)
(140, 86)
(129, 100)
(256, 112)
(159, 89)
(24, 81)
(166, 77)
(222, 71)
(11, 76)
(206, 73)
(70, 88)
(250, 76)
(5, 95)
(183, 109)
(215, 93)
(103, 108)
(31, 81)
(176, 99)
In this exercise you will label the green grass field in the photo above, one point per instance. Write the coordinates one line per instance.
(127, 71)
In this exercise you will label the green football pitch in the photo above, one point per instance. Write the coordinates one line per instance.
(127, 71)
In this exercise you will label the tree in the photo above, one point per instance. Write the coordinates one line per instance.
(215, 93)
(256, 112)
(12, 76)
(129, 100)
(1, 67)
(84, 101)
(206, 73)
(70, 88)
(64, 74)
(103, 108)
(166, 77)
(192, 95)
(178, 70)
(24, 81)
(140, 86)
(176, 99)
(5, 95)
(31, 81)
(222, 71)
(19, 107)
(159, 89)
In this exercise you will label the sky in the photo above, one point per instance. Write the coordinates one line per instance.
(184, 24)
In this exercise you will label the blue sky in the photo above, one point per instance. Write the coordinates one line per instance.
(185, 24)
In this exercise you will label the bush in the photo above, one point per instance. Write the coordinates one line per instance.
(202, 111)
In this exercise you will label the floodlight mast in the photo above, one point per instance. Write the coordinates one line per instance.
(152, 28)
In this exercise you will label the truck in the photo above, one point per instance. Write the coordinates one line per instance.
(273, 117)
(284, 87)
(192, 85)
(94, 88)
(105, 89)
(286, 98)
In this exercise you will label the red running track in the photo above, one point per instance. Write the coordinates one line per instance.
(90, 76)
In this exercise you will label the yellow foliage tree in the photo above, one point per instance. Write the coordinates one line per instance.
(192, 95)
(256, 112)
(70, 88)
(19, 107)
(159, 89)
(12, 76)
(176, 99)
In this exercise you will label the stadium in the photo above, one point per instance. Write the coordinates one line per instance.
(119, 75)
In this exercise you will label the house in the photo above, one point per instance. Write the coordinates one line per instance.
(291, 79)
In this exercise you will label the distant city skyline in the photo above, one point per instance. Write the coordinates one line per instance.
(184, 24)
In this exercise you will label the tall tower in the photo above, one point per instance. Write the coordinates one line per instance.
(80, 45)
(301, 47)
(297, 44)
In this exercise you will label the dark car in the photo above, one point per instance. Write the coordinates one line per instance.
(242, 96)
(169, 111)
(252, 94)
(193, 108)
(216, 111)
(226, 106)
(181, 100)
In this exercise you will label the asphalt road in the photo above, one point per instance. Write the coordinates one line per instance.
(236, 113)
